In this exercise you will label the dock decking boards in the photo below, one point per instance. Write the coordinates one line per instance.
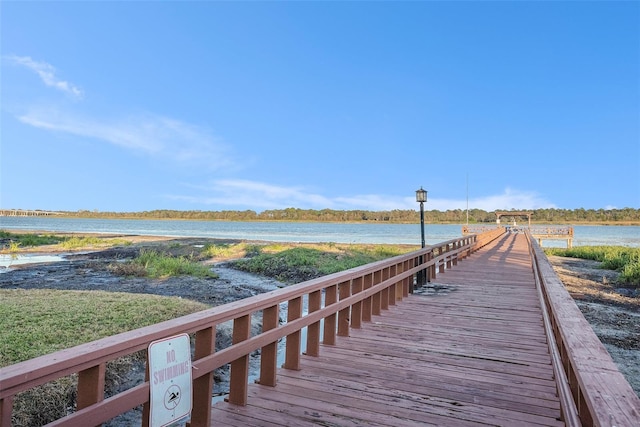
(467, 350)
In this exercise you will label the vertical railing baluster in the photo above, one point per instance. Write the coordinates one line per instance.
(91, 386)
(401, 284)
(240, 367)
(457, 245)
(313, 331)
(344, 291)
(412, 280)
(292, 351)
(384, 294)
(416, 277)
(6, 410)
(203, 387)
(330, 297)
(393, 289)
(146, 407)
(376, 306)
(356, 309)
(367, 303)
(407, 286)
(432, 269)
(269, 353)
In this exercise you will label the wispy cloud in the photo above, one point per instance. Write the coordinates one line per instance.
(47, 74)
(246, 194)
(512, 199)
(507, 200)
(144, 133)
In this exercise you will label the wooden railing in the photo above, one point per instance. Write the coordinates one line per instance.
(539, 232)
(336, 302)
(592, 390)
(478, 229)
(552, 232)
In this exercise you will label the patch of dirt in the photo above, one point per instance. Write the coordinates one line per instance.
(93, 270)
(612, 311)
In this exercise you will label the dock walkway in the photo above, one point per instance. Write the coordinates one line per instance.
(469, 349)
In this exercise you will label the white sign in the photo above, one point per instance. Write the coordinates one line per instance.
(170, 377)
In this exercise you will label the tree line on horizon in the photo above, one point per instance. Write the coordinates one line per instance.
(453, 216)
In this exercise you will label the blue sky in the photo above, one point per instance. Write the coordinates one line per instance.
(141, 105)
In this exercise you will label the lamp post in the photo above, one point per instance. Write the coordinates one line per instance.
(421, 197)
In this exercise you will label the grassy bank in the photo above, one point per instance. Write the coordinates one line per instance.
(620, 258)
(41, 321)
(296, 263)
(38, 322)
(15, 242)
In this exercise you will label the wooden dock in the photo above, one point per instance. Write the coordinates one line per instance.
(467, 349)
(471, 347)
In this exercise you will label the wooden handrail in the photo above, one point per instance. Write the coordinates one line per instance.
(601, 394)
(360, 291)
(567, 405)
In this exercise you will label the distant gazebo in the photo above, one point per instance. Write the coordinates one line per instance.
(513, 214)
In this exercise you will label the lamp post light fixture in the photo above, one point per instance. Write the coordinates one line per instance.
(421, 197)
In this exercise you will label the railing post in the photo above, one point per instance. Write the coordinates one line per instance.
(401, 284)
(367, 303)
(330, 297)
(313, 331)
(432, 270)
(6, 410)
(146, 407)
(376, 308)
(392, 288)
(384, 294)
(91, 386)
(344, 291)
(457, 246)
(240, 367)
(203, 386)
(269, 353)
(356, 309)
(292, 352)
(419, 276)
(407, 284)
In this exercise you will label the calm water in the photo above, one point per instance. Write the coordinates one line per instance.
(300, 232)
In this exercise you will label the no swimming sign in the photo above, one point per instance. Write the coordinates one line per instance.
(170, 380)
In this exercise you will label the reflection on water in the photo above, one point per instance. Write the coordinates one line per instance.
(8, 261)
